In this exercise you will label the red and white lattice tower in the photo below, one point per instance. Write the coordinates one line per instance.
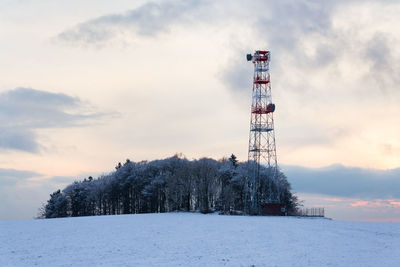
(262, 150)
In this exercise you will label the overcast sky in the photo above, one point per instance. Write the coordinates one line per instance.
(85, 84)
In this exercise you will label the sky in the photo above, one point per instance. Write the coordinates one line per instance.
(86, 84)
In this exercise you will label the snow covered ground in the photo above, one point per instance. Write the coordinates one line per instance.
(189, 239)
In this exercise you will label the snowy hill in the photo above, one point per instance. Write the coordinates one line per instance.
(189, 239)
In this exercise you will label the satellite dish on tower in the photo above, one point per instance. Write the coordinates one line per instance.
(249, 57)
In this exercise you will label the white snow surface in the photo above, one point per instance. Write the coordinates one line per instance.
(191, 239)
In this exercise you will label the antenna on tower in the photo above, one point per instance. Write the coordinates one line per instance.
(262, 149)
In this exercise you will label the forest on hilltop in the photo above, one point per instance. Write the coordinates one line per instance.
(167, 185)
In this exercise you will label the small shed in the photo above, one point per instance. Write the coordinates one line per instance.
(273, 209)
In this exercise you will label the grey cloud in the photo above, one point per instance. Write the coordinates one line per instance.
(384, 70)
(18, 138)
(288, 20)
(284, 26)
(234, 76)
(337, 180)
(378, 52)
(29, 107)
(23, 110)
(19, 201)
(20, 196)
(11, 176)
(281, 25)
(147, 20)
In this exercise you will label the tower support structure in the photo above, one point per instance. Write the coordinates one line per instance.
(262, 148)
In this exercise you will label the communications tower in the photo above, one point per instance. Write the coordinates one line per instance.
(262, 150)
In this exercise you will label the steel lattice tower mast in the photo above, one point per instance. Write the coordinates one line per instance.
(262, 150)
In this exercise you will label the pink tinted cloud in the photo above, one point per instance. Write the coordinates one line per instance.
(376, 203)
(334, 199)
(360, 203)
(356, 209)
(395, 203)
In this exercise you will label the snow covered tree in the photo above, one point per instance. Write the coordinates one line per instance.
(56, 206)
(233, 161)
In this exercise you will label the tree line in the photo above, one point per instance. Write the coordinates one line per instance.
(168, 185)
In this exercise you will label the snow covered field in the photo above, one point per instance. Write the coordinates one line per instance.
(189, 239)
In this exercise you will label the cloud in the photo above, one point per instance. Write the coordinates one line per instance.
(288, 20)
(355, 209)
(320, 46)
(384, 65)
(23, 192)
(301, 39)
(24, 110)
(337, 180)
(360, 203)
(306, 36)
(149, 19)
(331, 60)
(233, 76)
(9, 177)
(282, 27)
(18, 138)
